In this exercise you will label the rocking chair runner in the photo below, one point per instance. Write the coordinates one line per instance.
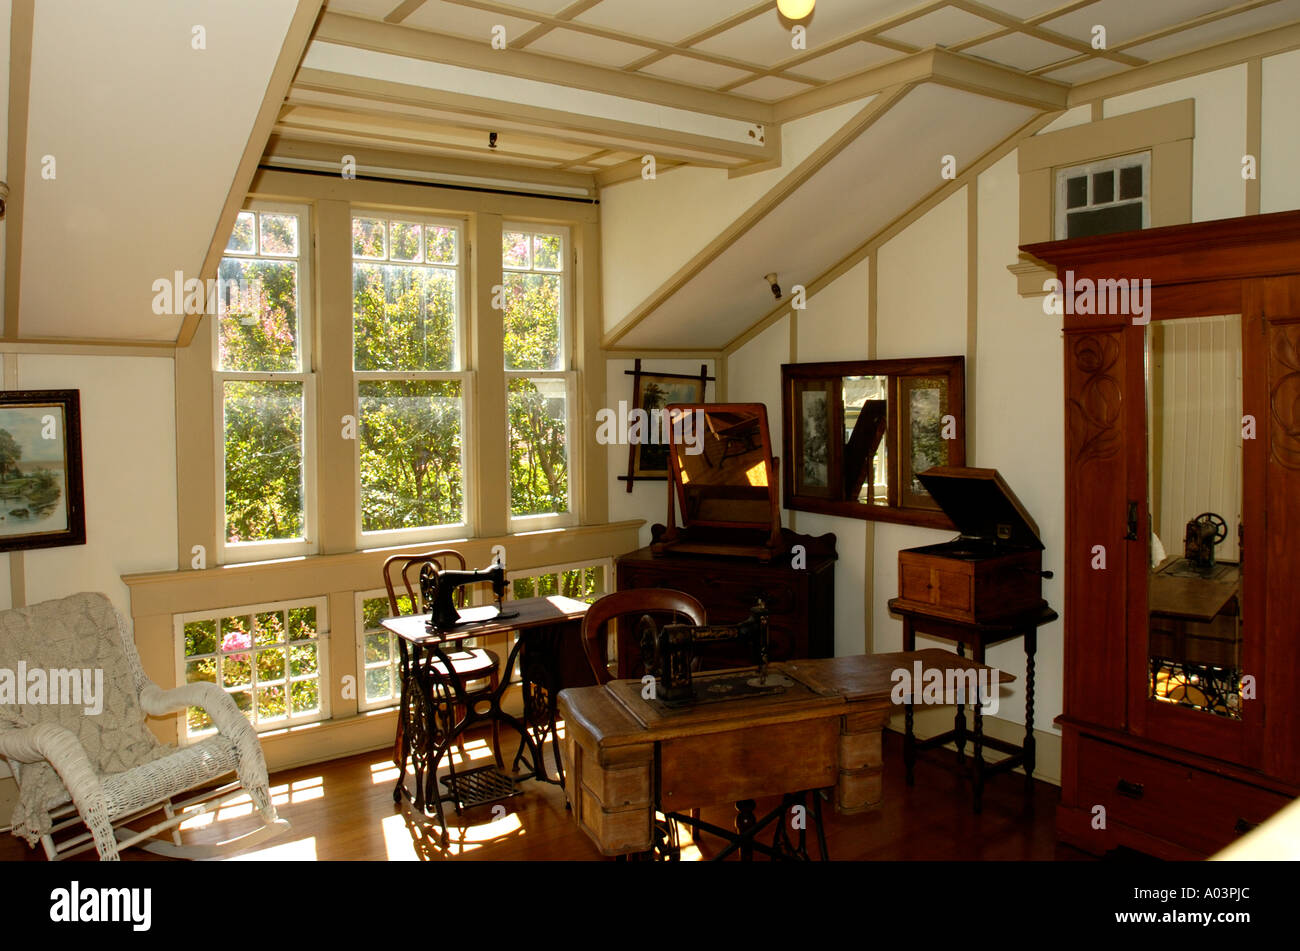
(104, 767)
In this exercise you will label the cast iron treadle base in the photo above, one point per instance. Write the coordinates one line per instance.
(479, 786)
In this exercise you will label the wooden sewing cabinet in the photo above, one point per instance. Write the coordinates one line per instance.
(629, 757)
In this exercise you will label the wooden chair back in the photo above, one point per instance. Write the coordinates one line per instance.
(409, 574)
(632, 602)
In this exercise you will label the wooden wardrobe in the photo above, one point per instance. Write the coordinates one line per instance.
(1179, 775)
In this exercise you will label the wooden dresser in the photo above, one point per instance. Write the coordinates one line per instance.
(801, 599)
(1181, 728)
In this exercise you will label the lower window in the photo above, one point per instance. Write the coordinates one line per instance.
(268, 657)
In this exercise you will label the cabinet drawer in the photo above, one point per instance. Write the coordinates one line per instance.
(1169, 800)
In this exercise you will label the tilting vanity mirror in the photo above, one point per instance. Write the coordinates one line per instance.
(723, 479)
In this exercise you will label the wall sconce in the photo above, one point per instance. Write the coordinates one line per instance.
(771, 282)
(492, 140)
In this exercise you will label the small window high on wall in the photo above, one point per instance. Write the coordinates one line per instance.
(1104, 197)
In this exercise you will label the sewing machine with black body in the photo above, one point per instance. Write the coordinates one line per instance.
(669, 653)
(1203, 533)
(438, 593)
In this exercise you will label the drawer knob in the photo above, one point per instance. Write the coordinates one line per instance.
(1243, 826)
(1129, 790)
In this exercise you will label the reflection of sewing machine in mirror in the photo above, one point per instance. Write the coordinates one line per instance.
(669, 655)
(1194, 601)
(723, 477)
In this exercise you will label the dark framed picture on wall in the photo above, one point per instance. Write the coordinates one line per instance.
(647, 451)
(41, 491)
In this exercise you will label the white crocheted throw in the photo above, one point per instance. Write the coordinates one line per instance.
(52, 644)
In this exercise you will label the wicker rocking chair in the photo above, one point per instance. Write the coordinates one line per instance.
(87, 756)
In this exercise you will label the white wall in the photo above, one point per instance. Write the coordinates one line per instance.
(641, 246)
(128, 440)
(1279, 185)
(1218, 190)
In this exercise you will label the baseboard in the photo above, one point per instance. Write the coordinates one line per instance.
(931, 721)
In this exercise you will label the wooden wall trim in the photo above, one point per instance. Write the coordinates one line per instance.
(21, 23)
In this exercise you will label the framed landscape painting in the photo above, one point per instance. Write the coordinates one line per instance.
(41, 500)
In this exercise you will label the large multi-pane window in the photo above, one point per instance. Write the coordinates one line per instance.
(267, 657)
(263, 397)
(407, 342)
(538, 380)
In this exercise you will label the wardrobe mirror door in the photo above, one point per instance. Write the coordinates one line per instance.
(1194, 484)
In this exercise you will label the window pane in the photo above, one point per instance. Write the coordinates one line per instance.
(1130, 182)
(406, 241)
(368, 238)
(258, 322)
(514, 250)
(279, 235)
(442, 245)
(403, 318)
(302, 623)
(242, 239)
(410, 442)
(546, 252)
(263, 457)
(1076, 192)
(532, 322)
(1103, 187)
(200, 637)
(539, 458)
(1086, 224)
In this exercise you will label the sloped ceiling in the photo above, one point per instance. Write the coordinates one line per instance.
(145, 134)
(878, 176)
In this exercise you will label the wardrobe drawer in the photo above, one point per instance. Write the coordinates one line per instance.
(1170, 800)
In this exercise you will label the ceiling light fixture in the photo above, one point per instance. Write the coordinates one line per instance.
(795, 9)
(771, 282)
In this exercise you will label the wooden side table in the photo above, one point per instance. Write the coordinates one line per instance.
(979, 634)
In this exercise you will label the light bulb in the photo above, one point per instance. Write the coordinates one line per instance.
(795, 9)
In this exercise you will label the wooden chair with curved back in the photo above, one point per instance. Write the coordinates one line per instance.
(634, 601)
(638, 602)
(477, 668)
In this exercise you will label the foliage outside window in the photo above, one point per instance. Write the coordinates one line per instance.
(407, 336)
(535, 342)
(263, 398)
(267, 657)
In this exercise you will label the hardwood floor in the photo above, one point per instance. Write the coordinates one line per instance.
(343, 810)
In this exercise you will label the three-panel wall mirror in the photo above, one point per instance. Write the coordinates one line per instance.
(856, 434)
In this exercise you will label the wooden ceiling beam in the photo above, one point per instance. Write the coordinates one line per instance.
(436, 47)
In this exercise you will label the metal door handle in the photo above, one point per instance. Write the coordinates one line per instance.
(1132, 534)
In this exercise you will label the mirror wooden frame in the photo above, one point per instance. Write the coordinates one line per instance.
(758, 539)
(833, 498)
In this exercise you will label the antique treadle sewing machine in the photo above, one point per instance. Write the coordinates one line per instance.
(438, 593)
(669, 654)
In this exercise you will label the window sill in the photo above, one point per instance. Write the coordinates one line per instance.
(166, 593)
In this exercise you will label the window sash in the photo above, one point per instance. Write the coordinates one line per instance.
(1061, 213)
(572, 447)
(401, 536)
(239, 552)
(322, 677)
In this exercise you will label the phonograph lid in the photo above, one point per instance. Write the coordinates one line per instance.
(981, 505)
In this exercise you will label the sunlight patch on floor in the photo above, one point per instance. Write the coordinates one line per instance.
(401, 847)
(301, 850)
